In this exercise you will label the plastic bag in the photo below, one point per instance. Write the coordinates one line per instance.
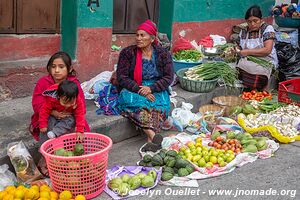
(289, 60)
(271, 129)
(290, 37)
(218, 40)
(6, 177)
(184, 114)
(23, 163)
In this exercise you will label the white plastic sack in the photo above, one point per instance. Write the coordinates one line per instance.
(218, 40)
(184, 114)
(88, 85)
(6, 177)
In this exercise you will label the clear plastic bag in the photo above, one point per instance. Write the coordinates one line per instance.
(23, 163)
(6, 177)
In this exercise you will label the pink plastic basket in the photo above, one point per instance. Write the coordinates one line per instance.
(80, 174)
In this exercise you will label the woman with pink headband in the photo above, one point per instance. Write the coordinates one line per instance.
(144, 73)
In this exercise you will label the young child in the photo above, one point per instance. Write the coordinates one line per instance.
(59, 68)
(63, 98)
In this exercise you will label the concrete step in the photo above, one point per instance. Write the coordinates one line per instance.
(15, 118)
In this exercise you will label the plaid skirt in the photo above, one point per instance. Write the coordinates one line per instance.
(147, 119)
(253, 81)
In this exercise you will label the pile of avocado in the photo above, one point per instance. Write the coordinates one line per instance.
(122, 185)
(172, 164)
(78, 151)
(252, 144)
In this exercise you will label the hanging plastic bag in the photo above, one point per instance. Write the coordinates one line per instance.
(23, 163)
(6, 177)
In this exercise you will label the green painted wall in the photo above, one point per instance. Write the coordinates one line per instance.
(166, 9)
(69, 26)
(95, 17)
(205, 10)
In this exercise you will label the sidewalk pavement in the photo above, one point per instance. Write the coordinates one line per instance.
(280, 172)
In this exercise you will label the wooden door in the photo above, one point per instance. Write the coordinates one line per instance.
(36, 16)
(128, 14)
(8, 16)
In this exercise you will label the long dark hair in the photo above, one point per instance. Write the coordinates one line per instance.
(67, 60)
(253, 11)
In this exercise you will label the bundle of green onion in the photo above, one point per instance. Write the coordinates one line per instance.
(213, 70)
(260, 61)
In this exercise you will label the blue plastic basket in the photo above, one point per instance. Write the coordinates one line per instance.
(177, 65)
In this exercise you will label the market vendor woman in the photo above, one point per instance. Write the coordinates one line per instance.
(256, 40)
(144, 73)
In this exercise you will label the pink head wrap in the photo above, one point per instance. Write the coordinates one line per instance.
(150, 28)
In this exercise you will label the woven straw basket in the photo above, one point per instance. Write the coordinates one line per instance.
(216, 110)
(228, 102)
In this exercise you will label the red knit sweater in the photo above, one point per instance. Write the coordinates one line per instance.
(52, 103)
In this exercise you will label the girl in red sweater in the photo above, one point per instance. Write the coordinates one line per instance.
(62, 98)
(59, 68)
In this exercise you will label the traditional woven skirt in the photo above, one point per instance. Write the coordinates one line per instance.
(141, 111)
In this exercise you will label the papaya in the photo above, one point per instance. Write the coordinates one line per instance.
(230, 135)
(239, 136)
(247, 142)
(265, 146)
(214, 135)
(251, 148)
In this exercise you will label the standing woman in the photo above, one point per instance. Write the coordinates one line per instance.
(256, 40)
(144, 73)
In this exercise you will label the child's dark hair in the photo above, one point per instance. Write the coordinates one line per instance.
(253, 11)
(67, 60)
(67, 89)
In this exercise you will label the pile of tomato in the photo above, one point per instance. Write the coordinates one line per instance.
(255, 95)
(227, 144)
